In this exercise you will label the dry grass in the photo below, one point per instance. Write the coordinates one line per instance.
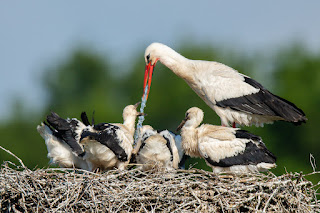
(72, 190)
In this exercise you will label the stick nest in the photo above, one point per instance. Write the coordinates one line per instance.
(73, 190)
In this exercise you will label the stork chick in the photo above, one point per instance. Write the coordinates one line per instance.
(62, 141)
(156, 150)
(225, 149)
(109, 145)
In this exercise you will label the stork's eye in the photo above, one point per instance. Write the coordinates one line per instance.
(148, 57)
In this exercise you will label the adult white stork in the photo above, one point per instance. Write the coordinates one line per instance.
(236, 98)
(225, 149)
(62, 140)
(156, 149)
(109, 145)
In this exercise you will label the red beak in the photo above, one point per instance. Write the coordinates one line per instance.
(148, 76)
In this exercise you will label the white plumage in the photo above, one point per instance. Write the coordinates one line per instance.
(109, 145)
(225, 149)
(60, 151)
(156, 149)
(236, 98)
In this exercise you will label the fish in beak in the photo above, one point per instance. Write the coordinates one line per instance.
(148, 75)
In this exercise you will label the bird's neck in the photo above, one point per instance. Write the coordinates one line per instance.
(176, 62)
(189, 139)
(129, 122)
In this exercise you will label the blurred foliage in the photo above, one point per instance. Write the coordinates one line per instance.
(86, 81)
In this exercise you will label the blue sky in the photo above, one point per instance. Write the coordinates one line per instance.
(36, 34)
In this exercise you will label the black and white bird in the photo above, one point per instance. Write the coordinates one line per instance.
(109, 145)
(156, 149)
(62, 140)
(235, 97)
(225, 149)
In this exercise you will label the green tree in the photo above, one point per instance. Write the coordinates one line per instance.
(86, 81)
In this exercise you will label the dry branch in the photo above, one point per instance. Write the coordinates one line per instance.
(72, 190)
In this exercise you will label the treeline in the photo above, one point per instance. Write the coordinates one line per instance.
(88, 81)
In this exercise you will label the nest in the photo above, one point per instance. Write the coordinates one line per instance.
(74, 190)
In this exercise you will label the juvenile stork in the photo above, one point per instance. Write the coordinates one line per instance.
(236, 98)
(109, 145)
(225, 149)
(62, 140)
(156, 149)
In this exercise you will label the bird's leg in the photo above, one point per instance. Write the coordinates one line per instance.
(234, 124)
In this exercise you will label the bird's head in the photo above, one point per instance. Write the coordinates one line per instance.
(152, 53)
(151, 56)
(159, 52)
(131, 111)
(193, 118)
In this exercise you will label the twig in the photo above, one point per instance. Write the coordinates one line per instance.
(268, 201)
(195, 196)
(20, 161)
(74, 190)
(313, 162)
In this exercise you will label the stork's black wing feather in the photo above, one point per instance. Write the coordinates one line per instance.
(247, 135)
(264, 103)
(54, 132)
(104, 126)
(57, 122)
(108, 137)
(84, 119)
(252, 155)
(65, 130)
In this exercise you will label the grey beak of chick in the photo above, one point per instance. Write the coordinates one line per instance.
(139, 113)
(137, 104)
(182, 124)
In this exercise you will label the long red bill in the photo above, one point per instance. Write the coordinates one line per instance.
(148, 76)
